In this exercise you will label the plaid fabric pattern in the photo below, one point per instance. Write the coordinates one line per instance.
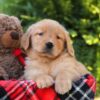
(82, 89)
(25, 90)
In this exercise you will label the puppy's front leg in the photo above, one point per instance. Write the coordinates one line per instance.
(44, 80)
(63, 83)
(41, 77)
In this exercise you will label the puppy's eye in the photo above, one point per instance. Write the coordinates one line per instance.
(58, 37)
(40, 33)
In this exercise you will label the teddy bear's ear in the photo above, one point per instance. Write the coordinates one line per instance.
(25, 41)
(16, 20)
(16, 24)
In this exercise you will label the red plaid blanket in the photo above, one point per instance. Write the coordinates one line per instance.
(25, 90)
(83, 89)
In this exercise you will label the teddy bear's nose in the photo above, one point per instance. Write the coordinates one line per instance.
(15, 35)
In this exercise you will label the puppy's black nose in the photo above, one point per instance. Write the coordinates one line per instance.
(49, 45)
(15, 35)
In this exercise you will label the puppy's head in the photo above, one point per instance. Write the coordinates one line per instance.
(48, 38)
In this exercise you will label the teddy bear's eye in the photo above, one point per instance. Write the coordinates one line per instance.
(40, 33)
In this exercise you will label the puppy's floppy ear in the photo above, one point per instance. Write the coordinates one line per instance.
(68, 44)
(26, 38)
(25, 41)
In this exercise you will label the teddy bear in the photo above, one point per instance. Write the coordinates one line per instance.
(10, 35)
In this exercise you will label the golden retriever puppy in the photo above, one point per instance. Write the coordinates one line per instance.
(51, 56)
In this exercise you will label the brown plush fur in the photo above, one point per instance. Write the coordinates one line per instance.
(10, 34)
(51, 63)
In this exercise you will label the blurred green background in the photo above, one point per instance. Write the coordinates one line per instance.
(80, 17)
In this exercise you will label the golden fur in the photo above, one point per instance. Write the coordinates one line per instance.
(58, 65)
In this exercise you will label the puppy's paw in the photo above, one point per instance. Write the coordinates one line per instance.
(62, 85)
(44, 81)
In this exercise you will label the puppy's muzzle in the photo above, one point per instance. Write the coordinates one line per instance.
(48, 47)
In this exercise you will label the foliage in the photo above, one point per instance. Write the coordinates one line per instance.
(81, 18)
